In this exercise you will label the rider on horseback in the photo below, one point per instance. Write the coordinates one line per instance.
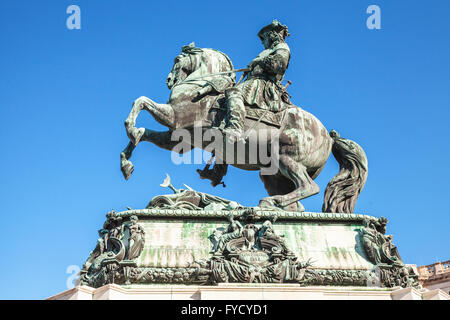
(306, 144)
(262, 88)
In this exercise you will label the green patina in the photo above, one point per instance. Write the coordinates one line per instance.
(344, 253)
(187, 229)
(331, 246)
(328, 252)
(183, 241)
(335, 252)
(300, 232)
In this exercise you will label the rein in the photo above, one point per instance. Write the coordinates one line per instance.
(212, 75)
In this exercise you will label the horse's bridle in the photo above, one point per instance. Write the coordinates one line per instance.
(189, 51)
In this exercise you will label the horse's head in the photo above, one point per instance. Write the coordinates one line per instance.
(184, 65)
(200, 61)
(179, 72)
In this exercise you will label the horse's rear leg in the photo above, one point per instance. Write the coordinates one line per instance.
(276, 185)
(303, 186)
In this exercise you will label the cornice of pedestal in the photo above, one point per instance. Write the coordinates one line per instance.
(211, 214)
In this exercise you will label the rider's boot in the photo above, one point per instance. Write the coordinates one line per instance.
(234, 129)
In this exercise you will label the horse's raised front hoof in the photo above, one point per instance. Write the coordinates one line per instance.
(135, 135)
(127, 170)
(126, 166)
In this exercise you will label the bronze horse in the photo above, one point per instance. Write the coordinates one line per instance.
(197, 81)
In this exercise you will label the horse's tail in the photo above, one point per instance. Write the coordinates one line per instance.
(343, 190)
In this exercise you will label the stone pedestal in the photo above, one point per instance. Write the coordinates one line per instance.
(176, 238)
(179, 253)
(246, 292)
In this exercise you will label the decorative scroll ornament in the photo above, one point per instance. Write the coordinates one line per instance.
(250, 253)
(389, 267)
(248, 250)
(119, 244)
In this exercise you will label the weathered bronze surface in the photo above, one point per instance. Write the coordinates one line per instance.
(204, 96)
(381, 252)
(343, 190)
(181, 237)
(193, 246)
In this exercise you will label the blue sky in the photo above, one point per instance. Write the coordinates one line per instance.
(64, 95)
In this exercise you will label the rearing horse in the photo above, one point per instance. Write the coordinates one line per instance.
(303, 144)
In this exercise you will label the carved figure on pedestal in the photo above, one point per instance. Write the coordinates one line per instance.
(99, 248)
(119, 244)
(384, 254)
(252, 254)
(266, 231)
(234, 231)
(136, 240)
(379, 247)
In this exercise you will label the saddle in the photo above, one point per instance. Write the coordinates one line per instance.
(271, 118)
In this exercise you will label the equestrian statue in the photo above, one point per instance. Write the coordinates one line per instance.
(255, 112)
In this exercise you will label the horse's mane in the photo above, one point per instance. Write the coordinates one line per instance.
(208, 61)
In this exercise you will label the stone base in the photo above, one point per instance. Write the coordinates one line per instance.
(203, 247)
(227, 291)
